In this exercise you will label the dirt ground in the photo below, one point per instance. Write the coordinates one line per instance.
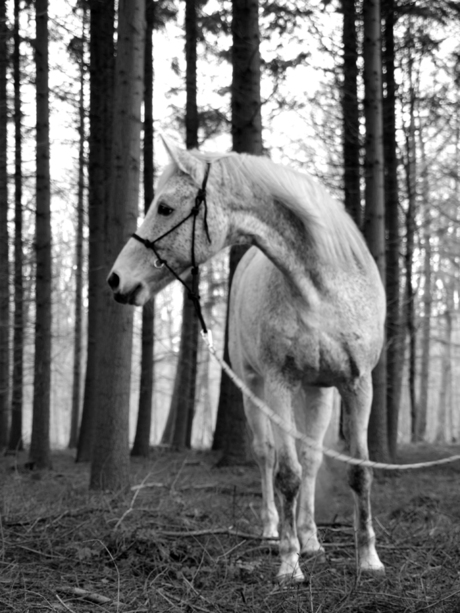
(189, 542)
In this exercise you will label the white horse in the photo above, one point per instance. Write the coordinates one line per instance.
(307, 314)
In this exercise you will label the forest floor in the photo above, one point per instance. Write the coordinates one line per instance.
(189, 542)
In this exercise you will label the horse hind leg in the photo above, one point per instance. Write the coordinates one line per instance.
(313, 410)
(358, 406)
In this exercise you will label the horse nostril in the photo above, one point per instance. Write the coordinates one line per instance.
(113, 280)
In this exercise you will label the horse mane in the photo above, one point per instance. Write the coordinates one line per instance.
(328, 225)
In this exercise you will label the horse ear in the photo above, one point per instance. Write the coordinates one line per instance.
(182, 158)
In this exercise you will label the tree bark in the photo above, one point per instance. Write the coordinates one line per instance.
(78, 326)
(427, 300)
(350, 113)
(4, 250)
(15, 440)
(102, 67)
(374, 223)
(445, 394)
(395, 341)
(40, 453)
(409, 315)
(110, 457)
(231, 432)
(141, 444)
(179, 425)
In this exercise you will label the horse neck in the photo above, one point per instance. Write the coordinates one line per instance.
(258, 218)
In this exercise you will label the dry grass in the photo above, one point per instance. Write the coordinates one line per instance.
(66, 549)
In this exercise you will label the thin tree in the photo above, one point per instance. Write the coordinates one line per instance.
(374, 223)
(178, 430)
(4, 251)
(78, 325)
(231, 430)
(409, 298)
(110, 456)
(102, 70)
(395, 345)
(141, 444)
(15, 440)
(40, 453)
(350, 113)
(427, 296)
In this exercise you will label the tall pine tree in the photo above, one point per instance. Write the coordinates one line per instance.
(40, 453)
(110, 455)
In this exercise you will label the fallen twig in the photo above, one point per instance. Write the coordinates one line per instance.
(85, 595)
(64, 604)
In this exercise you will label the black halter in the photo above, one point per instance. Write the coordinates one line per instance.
(160, 262)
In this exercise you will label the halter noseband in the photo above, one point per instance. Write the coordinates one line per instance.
(160, 262)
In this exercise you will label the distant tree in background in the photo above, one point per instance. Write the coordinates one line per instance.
(4, 251)
(15, 439)
(40, 453)
(178, 430)
(141, 443)
(110, 454)
(374, 219)
(102, 67)
(231, 429)
(78, 49)
(410, 168)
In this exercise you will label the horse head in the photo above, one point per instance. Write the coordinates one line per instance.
(179, 232)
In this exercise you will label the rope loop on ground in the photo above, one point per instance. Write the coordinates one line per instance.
(292, 430)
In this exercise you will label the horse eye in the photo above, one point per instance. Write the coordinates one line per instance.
(165, 210)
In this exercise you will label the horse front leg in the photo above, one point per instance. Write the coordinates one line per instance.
(358, 402)
(313, 411)
(263, 446)
(288, 475)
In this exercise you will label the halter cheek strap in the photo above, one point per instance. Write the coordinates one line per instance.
(160, 262)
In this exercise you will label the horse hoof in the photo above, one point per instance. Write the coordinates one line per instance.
(376, 571)
(285, 579)
(317, 556)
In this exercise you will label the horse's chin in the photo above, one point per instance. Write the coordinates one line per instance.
(152, 287)
(142, 296)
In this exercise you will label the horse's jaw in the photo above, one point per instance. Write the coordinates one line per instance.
(136, 281)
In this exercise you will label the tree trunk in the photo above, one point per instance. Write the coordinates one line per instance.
(40, 452)
(102, 54)
(246, 103)
(179, 425)
(4, 251)
(350, 113)
(395, 341)
(110, 457)
(78, 326)
(410, 235)
(374, 224)
(231, 432)
(445, 394)
(427, 300)
(15, 441)
(141, 444)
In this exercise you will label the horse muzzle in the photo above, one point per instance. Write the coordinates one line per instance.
(134, 294)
